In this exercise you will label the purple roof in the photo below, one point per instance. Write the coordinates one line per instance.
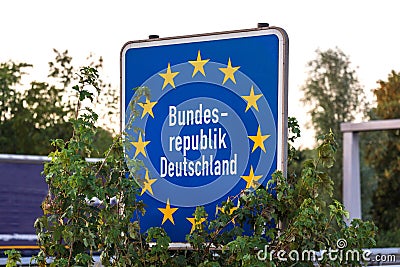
(22, 190)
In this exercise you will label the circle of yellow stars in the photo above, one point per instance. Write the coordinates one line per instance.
(258, 139)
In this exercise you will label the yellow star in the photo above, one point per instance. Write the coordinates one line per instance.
(140, 145)
(251, 178)
(229, 71)
(147, 107)
(168, 77)
(198, 64)
(195, 224)
(259, 140)
(251, 99)
(147, 184)
(231, 210)
(168, 211)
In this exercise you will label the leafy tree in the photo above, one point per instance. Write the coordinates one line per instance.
(41, 116)
(63, 72)
(334, 94)
(383, 155)
(10, 76)
(367, 172)
(29, 118)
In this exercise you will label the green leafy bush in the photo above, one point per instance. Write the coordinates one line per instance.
(13, 257)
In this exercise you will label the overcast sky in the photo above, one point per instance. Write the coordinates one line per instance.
(367, 31)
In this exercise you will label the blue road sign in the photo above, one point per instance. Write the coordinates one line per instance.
(213, 125)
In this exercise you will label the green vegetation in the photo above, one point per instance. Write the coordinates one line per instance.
(335, 95)
(30, 118)
(383, 154)
(13, 257)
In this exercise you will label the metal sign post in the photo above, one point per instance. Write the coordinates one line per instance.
(215, 122)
